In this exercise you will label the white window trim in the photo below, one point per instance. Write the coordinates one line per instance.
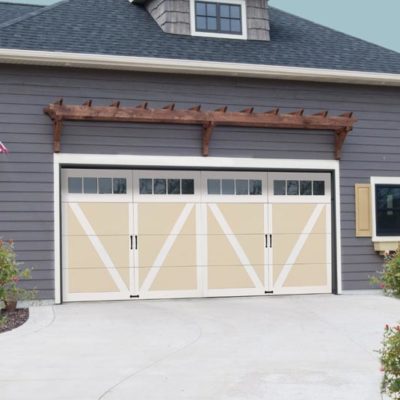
(193, 31)
(378, 180)
(106, 160)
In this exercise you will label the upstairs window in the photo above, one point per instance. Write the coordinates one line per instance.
(219, 18)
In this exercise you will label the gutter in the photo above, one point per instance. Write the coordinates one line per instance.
(191, 67)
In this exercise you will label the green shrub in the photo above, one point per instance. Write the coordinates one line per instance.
(10, 275)
(390, 359)
(389, 278)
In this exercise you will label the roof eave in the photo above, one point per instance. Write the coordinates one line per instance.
(193, 67)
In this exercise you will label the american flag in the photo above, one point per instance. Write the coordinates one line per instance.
(3, 148)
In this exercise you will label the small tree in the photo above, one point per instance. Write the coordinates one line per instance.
(390, 359)
(389, 278)
(10, 276)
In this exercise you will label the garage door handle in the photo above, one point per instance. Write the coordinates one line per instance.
(136, 242)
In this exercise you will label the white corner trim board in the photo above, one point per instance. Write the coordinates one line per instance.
(165, 162)
(193, 67)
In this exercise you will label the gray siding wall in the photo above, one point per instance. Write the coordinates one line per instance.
(26, 174)
(173, 16)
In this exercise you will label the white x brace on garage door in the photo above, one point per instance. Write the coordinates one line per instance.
(170, 234)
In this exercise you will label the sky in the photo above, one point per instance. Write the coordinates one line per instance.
(376, 21)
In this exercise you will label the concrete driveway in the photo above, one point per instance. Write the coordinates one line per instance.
(275, 348)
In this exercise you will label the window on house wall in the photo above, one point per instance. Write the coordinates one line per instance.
(387, 209)
(219, 18)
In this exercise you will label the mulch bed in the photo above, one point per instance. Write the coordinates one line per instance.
(13, 319)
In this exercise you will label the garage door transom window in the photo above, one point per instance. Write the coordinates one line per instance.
(97, 185)
(239, 187)
(162, 186)
(296, 188)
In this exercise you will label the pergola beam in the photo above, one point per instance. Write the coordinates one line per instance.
(341, 125)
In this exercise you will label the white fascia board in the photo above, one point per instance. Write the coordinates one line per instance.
(165, 65)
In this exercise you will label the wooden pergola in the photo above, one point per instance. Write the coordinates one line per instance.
(340, 125)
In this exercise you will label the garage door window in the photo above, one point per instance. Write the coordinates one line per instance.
(91, 185)
(296, 188)
(239, 187)
(161, 186)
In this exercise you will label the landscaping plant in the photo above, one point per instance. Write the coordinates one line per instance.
(10, 275)
(390, 359)
(389, 278)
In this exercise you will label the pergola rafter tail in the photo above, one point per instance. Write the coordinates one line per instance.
(59, 112)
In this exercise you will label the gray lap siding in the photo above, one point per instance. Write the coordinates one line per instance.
(26, 174)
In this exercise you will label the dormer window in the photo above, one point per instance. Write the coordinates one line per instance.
(219, 18)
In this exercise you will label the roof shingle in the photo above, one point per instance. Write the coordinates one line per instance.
(11, 11)
(117, 27)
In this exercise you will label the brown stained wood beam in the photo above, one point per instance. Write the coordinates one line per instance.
(194, 116)
(298, 113)
(207, 133)
(340, 137)
(321, 114)
(274, 111)
(88, 103)
(143, 106)
(195, 108)
(169, 107)
(57, 129)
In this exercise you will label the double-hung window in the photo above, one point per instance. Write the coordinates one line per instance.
(219, 18)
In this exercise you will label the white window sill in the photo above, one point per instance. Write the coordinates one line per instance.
(387, 245)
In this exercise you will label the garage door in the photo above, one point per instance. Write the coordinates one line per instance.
(170, 234)
(97, 219)
(300, 233)
(167, 229)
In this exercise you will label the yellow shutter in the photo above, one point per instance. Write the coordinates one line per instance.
(363, 210)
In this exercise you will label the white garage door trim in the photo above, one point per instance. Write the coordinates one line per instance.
(95, 160)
